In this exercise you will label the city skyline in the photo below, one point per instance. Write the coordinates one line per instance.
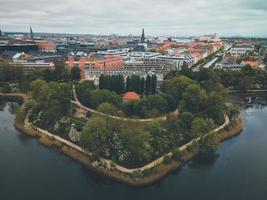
(159, 18)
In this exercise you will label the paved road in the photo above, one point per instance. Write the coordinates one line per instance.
(213, 59)
(211, 62)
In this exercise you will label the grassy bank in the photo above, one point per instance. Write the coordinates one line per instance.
(234, 130)
(147, 178)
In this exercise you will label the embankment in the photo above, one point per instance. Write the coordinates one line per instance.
(155, 175)
(148, 177)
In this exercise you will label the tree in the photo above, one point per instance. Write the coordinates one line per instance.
(215, 107)
(138, 144)
(6, 88)
(233, 111)
(153, 84)
(148, 85)
(208, 144)
(194, 99)
(142, 86)
(102, 82)
(118, 84)
(83, 91)
(109, 109)
(134, 84)
(10, 73)
(60, 73)
(249, 71)
(40, 91)
(75, 74)
(185, 125)
(201, 126)
(159, 140)
(114, 83)
(186, 71)
(48, 103)
(128, 84)
(103, 96)
(175, 87)
(95, 136)
(155, 102)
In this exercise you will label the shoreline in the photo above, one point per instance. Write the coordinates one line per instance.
(162, 170)
(155, 174)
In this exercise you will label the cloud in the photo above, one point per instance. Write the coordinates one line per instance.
(158, 17)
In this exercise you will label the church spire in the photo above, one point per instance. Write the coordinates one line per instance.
(143, 39)
(31, 32)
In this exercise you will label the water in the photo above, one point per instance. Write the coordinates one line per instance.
(29, 171)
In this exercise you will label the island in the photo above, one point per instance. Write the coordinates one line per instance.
(136, 139)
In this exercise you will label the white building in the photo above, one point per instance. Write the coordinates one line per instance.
(179, 60)
(241, 50)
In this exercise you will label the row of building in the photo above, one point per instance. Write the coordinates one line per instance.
(96, 55)
(243, 52)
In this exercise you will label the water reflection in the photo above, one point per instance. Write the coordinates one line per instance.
(236, 171)
(204, 160)
(2, 104)
(12, 106)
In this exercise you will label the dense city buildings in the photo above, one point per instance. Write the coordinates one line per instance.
(243, 52)
(127, 55)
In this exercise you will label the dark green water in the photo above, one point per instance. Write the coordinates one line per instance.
(29, 171)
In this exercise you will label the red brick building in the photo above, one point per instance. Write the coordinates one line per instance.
(95, 61)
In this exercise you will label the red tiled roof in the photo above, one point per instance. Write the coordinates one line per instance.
(131, 96)
(253, 64)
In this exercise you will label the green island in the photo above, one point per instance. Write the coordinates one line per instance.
(134, 142)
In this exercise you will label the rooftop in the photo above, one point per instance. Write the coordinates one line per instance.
(131, 96)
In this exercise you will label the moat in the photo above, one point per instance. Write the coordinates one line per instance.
(28, 170)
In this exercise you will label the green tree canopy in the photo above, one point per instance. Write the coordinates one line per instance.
(95, 136)
(194, 99)
(75, 74)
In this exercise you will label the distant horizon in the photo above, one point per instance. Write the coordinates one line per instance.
(243, 18)
(134, 35)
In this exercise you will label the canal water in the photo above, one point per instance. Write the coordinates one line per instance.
(29, 171)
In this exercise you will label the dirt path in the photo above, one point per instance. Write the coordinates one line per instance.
(79, 104)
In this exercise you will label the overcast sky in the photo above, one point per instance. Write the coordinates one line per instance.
(158, 17)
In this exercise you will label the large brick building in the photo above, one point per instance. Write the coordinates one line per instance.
(94, 61)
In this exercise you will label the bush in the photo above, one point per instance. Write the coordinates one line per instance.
(193, 147)
(167, 160)
(147, 172)
(137, 174)
(20, 114)
(88, 115)
(6, 88)
(177, 155)
(94, 157)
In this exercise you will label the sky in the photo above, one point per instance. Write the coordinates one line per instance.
(124, 17)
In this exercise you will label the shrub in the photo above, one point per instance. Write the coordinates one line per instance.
(6, 88)
(137, 174)
(20, 114)
(147, 172)
(167, 160)
(177, 155)
(88, 115)
(94, 157)
(193, 147)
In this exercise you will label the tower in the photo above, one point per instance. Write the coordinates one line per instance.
(143, 39)
(0, 32)
(31, 33)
